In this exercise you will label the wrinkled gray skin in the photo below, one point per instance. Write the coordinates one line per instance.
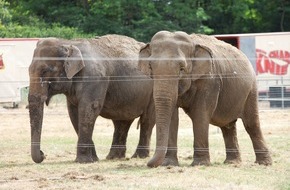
(213, 82)
(98, 77)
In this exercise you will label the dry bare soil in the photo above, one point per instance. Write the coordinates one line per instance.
(59, 171)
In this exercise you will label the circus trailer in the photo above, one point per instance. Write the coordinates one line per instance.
(15, 58)
(269, 54)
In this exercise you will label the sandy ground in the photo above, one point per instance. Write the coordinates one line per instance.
(58, 171)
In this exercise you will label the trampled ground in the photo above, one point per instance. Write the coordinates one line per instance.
(59, 171)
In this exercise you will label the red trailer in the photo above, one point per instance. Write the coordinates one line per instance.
(269, 54)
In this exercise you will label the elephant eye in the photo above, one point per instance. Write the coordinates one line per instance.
(44, 72)
(150, 65)
(182, 66)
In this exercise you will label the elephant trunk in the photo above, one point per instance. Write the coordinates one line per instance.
(165, 100)
(36, 105)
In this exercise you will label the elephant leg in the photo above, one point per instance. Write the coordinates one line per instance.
(142, 150)
(200, 114)
(89, 108)
(251, 122)
(87, 117)
(200, 144)
(147, 122)
(118, 148)
(73, 114)
(231, 143)
(171, 154)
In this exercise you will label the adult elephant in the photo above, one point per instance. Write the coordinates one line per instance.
(213, 82)
(98, 77)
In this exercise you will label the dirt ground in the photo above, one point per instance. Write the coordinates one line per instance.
(59, 171)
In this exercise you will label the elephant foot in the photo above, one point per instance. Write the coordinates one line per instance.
(200, 161)
(170, 162)
(233, 158)
(116, 153)
(264, 159)
(86, 159)
(94, 155)
(233, 161)
(95, 158)
(204, 163)
(141, 153)
(86, 155)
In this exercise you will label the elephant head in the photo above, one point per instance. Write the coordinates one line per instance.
(174, 61)
(51, 72)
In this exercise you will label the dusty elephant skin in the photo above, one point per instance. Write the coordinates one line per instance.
(213, 82)
(98, 77)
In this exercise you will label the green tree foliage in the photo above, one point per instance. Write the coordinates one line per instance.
(244, 16)
(27, 20)
(5, 16)
(140, 18)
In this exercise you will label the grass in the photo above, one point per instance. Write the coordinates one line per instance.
(59, 171)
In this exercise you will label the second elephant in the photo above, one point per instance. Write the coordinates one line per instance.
(98, 77)
(213, 82)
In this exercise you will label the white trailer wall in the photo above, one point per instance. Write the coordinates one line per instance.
(16, 56)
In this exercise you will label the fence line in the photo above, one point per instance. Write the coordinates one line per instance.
(275, 90)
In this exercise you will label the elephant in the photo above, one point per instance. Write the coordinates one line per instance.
(99, 77)
(213, 82)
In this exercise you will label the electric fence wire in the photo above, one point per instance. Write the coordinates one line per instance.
(232, 75)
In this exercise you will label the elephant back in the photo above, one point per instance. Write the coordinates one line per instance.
(226, 57)
(118, 46)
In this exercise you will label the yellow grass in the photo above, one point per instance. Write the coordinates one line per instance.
(59, 171)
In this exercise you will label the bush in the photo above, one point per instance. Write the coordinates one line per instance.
(40, 31)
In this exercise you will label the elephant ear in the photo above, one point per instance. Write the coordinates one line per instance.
(143, 63)
(202, 50)
(203, 62)
(74, 62)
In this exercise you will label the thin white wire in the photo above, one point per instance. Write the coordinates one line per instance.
(134, 59)
(73, 145)
(130, 78)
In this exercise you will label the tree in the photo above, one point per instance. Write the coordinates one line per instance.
(140, 19)
(245, 16)
(5, 16)
(26, 21)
